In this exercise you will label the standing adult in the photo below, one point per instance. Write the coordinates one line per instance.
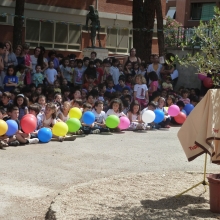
(155, 67)
(19, 55)
(9, 58)
(28, 64)
(133, 58)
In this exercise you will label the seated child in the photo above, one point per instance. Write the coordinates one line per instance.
(110, 86)
(121, 84)
(185, 94)
(63, 113)
(167, 118)
(115, 108)
(21, 138)
(99, 117)
(134, 115)
(167, 85)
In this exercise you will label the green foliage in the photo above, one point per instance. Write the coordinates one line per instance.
(172, 33)
(207, 60)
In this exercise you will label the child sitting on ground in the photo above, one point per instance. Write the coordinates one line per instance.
(63, 113)
(134, 116)
(167, 119)
(185, 94)
(115, 108)
(21, 138)
(99, 117)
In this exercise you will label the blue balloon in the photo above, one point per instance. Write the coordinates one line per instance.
(159, 116)
(188, 108)
(88, 118)
(184, 111)
(44, 135)
(12, 127)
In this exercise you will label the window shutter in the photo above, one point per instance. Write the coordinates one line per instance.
(207, 11)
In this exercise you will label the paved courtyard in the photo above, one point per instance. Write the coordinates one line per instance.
(32, 176)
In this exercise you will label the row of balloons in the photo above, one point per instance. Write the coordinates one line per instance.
(29, 122)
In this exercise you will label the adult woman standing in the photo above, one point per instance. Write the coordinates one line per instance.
(9, 57)
(132, 58)
(19, 55)
(155, 67)
(28, 64)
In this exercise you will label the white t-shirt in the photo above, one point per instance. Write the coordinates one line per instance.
(51, 75)
(141, 90)
(99, 117)
(112, 112)
(34, 62)
(48, 122)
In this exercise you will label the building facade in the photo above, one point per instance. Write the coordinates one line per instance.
(190, 12)
(60, 25)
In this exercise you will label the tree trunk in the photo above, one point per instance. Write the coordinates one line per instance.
(160, 34)
(149, 10)
(138, 23)
(18, 23)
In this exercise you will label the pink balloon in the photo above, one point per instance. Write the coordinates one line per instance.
(173, 110)
(202, 76)
(124, 123)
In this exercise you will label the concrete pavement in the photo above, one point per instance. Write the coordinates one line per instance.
(32, 175)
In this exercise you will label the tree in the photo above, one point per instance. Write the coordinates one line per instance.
(207, 60)
(160, 33)
(18, 22)
(143, 20)
(138, 25)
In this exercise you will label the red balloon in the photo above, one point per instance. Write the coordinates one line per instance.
(180, 118)
(207, 82)
(28, 123)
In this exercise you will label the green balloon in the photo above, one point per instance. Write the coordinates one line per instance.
(112, 121)
(73, 124)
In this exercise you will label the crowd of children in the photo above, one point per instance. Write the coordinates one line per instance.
(49, 88)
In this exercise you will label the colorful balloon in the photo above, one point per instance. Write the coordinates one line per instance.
(73, 124)
(44, 135)
(124, 123)
(112, 121)
(173, 110)
(12, 127)
(202, 76)
(148, 116)
(180, 118)
(3, 127)
(207, 82)
(159, 116)
(28, 123)
(60, 129)
(75, 113)
(188, 108)
(88, 118)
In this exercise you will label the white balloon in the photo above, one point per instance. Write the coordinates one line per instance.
(148, 116)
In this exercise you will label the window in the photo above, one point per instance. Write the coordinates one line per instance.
(202, 11)
(53, 35)
(118, 40)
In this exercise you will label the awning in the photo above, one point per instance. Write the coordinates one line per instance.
(171, 12)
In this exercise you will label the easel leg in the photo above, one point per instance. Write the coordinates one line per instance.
(203, 182)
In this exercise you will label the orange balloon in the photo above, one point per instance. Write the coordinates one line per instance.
(180, 118)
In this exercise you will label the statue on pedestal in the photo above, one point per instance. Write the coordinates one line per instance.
(93, 15)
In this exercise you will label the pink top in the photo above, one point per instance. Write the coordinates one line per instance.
(28, 74)
(186, 101)
(153, 87)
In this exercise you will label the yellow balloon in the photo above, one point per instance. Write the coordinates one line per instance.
(75, 113)
(60, 129)
(3, 127)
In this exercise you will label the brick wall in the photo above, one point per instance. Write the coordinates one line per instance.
(115, 6)
(76, 4)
